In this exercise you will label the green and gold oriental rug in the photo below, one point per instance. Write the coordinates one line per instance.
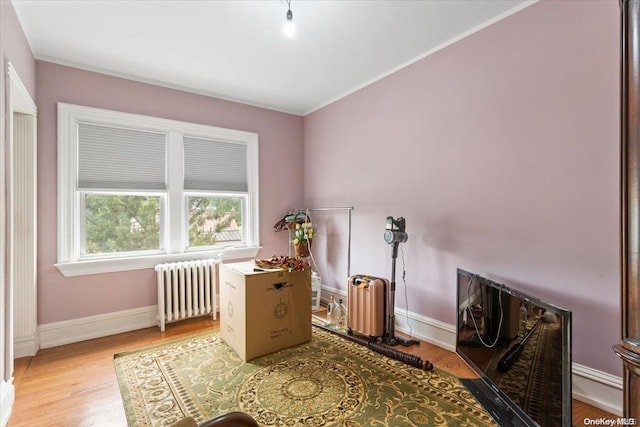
(329, 381)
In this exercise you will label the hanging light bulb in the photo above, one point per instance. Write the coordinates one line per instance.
(289, 28)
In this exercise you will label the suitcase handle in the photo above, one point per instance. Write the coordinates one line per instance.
(363, 280)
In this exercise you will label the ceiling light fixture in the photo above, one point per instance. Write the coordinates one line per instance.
(289, 28)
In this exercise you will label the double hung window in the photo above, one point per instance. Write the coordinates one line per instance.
(136, 190)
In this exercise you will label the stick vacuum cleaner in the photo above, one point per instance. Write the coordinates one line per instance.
(394, 235)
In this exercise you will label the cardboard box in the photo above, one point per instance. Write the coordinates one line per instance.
(263, 311)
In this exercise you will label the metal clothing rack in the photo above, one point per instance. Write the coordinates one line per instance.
(341, 208)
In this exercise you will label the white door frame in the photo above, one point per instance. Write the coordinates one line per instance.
(18, 100)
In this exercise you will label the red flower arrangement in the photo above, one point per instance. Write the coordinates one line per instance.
(283, 262)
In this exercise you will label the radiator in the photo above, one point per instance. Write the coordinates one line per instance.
(186, 289)
(366, 304)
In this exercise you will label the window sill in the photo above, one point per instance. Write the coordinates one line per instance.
(81, 268)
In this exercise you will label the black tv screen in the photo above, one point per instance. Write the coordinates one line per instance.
(520, 347)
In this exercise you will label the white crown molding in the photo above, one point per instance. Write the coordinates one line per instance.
(449, 42)
(20, 98)
(159, 83)
(293, 111)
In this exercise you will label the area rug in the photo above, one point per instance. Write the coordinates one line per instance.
(329, 381)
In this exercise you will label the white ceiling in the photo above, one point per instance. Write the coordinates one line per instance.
(237, 50)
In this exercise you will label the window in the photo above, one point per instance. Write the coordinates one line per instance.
(118, 223)
(214, 220)
(134, 191)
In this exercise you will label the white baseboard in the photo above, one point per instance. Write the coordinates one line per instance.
(427, 329)
(7, 397)
(25, 346)
(102, 325)
(327, 292)
(597, 388)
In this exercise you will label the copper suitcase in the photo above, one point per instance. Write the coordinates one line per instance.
(366, 304)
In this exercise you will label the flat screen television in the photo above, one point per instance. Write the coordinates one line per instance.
(520, 347)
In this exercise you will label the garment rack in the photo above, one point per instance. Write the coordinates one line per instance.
(349, 209)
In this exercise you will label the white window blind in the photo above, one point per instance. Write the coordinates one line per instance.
(214, 165)
(106, 155)
(120, 158)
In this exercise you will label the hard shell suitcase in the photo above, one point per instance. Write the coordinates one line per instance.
(366, 304)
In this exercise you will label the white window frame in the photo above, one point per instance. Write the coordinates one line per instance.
(71, 263)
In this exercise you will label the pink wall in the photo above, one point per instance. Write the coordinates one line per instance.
(502, 153)
(14, 48)
(280, 147)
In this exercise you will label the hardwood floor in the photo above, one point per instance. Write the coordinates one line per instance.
(75, 385)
